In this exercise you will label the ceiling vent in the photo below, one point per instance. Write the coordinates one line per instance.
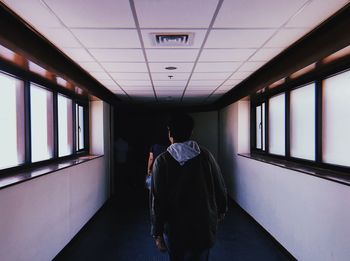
(172, 39)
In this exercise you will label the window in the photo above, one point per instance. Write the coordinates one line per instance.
(306, 118)
(277, 124)
(336, 119)
(40, 120)
(80, 135)
(65, 126)
(260, 126)
(302, 122)
(12, 131)
(41, 113)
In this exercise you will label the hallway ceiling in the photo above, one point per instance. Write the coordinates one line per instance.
(113, 40)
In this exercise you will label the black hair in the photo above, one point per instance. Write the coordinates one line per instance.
(180, 127)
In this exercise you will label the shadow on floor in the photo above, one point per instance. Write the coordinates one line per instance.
(121, 231)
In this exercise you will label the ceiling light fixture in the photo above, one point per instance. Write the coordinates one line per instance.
(170, 68)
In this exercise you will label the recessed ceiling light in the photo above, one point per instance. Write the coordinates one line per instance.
(171, 68)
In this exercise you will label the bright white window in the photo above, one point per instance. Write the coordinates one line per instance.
(302, 122)
(277, 124)
(12, 148)
(260, 126)
(80, 127)
(336, 119)
(41, 109)
(65, 126)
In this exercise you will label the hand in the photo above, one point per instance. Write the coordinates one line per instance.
(160, 244)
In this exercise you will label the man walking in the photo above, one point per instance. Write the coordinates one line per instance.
(188, 195)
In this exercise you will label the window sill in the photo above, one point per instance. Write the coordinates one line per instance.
(335, 176)
(25, 175)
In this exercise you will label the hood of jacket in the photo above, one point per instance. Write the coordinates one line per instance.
(184, 151)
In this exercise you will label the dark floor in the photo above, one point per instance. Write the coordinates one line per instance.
(120, 231)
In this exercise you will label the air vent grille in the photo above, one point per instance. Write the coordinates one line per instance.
(171, 39)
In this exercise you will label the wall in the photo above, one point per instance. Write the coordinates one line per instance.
(206, 130)
(40, 216)
(307, 215)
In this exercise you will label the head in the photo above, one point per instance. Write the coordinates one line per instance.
(180, 127)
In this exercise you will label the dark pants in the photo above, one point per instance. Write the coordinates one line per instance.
(179, 254)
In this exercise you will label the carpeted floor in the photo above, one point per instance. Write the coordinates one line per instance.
(120, 231)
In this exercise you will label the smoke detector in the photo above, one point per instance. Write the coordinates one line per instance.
(172, 39)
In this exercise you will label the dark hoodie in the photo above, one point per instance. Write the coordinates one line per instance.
(187, 196)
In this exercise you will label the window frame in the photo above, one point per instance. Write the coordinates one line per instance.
(321, 72)
(29, 77)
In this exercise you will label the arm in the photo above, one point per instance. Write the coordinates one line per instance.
(150, 163)
(158, 199)
(219, 186)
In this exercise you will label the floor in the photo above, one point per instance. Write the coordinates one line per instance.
(121, 231)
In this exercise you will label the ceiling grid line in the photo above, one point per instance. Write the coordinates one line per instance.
(137, 24)
(276, 31)
(203, 44)
(81, 44)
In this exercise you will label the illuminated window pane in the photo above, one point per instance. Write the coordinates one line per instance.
(336, 119)
(12, 152)
(80, 127)
(263, 125)
(277, 124)
(65, 126)
(302, 122)
(258, 127)
(41, 123)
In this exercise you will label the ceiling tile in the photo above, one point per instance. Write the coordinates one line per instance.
(138, 88)
(60, 37)
(130, 76)
(134, 83)
(125, 67)
(223, 89)
(250, 66)
(197, 40)
(202, 88)
(210, 76)
(109, 83)
(232, 82)
(108, 38)
(171, 55)
(265, 54)
(90, 13)
(169, 84)
(240, 75)
(34, 12)
(180, 67)
(256, 14)
(217, 67)
(91, 66)
(100, 75)
(205, 83)
(315, 13)
(183, 14)
(225, 55)
(285, 37)
(175, 76)
(78, 54)
(118, 55)
(249, 38)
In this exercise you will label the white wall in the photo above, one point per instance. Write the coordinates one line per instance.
(206, 130)
(309, 216)
(40, 216)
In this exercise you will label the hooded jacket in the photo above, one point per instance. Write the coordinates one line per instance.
(187, 196)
